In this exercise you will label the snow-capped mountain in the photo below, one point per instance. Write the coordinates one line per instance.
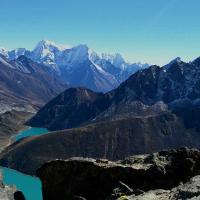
(3, 52)
(116, 60)
(79, 65)
(16, 53)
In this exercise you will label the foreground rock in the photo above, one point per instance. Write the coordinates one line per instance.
(189, 190)
(6, 192)
(18, 195)
(137, 177)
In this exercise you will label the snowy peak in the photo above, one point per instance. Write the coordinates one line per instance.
(14, 54)
(48, 50)
(78, 65)
(70, 58)
(115, 59)
(47, 53)
(47, 44)
(4, 52)
(81, 51)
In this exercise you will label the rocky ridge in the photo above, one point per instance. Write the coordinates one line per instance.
(165, 175)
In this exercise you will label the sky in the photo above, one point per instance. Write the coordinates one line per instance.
(152, 31)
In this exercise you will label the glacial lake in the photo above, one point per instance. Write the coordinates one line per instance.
(30, 186)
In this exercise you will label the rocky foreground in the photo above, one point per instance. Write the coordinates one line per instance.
(9, 192)
(167, 175)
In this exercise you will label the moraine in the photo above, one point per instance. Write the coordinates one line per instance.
(30, 186)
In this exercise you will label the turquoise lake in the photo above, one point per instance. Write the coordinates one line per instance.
(30, 186)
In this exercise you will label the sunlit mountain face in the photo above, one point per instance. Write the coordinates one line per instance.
(79, 65)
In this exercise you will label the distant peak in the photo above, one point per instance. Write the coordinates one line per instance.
(178, 59)
(174, 61)
(46, 44)
(3, 51)
(113, 57)
(82, 47)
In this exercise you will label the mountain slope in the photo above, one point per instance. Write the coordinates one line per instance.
(114, 140)
(26, 83)
(80, 101)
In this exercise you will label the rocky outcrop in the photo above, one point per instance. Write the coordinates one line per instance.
(152, 176)
(188, 191)
(18, 195)
(6, 192)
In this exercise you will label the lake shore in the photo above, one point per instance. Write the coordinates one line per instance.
(19, 180)
(11, 124)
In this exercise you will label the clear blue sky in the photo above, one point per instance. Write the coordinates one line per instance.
(153, 31)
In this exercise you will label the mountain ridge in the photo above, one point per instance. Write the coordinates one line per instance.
(149, 86)
(26, 83)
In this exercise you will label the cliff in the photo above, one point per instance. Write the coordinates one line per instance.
(140, 177)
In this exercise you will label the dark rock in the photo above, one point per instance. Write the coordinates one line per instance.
(79, 198)
(92, 180)
(120, 190)
(138, 192)
(19, 196)
(170, 85)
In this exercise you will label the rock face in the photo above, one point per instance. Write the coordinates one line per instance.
(149, 176)
(189, 191)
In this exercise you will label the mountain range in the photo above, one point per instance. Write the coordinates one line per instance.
(155, 108)
(147, 92)
(79, 65)
(29, 79)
